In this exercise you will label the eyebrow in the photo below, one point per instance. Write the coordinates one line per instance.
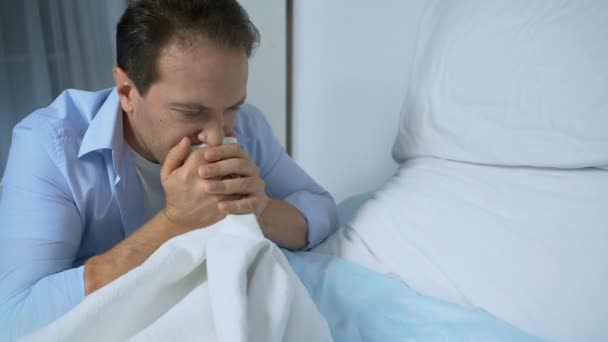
(201, 107)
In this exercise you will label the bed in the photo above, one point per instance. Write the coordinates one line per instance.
(499, 203)
(526, 246)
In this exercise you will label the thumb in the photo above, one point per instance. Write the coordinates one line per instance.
(175, 158)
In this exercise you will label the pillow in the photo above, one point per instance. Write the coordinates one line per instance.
(514, 83)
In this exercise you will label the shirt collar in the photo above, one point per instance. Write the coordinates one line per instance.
(105, 133)
(105, 130)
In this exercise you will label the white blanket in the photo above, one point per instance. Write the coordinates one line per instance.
(222, 283)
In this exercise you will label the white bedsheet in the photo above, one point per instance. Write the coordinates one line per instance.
(527, 245)
(222, 283)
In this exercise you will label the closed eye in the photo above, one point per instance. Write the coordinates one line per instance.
(188, 113)
(235, 108)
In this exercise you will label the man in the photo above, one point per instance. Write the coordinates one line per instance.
(84, 198)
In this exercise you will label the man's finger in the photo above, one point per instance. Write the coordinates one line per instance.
(227, 167)
(215, 153)
(175, 158)
(232, 186)
(242, 206)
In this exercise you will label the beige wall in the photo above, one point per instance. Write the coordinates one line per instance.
(267, 74)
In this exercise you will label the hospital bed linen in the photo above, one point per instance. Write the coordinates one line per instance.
(528, 245)
(222, 283)
(228, 283)
(361, 305)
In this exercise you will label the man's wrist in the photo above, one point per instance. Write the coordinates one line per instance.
(96, 269)
(168, 221)
(261, 209)
(173, 224)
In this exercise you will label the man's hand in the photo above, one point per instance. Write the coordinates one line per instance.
(188, 207)
(247, 191)
(189, 203)
(280, 221)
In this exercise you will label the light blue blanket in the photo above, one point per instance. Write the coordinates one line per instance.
(363, 305)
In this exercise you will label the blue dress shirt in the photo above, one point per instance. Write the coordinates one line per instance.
(71, 191)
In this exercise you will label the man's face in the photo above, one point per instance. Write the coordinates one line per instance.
(198, 94)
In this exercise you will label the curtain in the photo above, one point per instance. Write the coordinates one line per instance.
(48, 46)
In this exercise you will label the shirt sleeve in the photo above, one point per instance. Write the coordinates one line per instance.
(40, 233)
(286, 180)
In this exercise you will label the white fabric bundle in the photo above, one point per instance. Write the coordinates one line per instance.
(222, 283)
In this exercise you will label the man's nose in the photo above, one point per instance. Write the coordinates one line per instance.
(212, 134)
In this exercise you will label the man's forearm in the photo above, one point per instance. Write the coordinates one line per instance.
(130, 253)
(282, 223)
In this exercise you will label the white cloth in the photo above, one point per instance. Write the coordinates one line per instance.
(526, 245)
(222, 283)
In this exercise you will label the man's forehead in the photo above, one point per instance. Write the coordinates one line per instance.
(204, 55)
(196, 44)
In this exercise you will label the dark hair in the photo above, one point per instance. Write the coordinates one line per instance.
(147, 26)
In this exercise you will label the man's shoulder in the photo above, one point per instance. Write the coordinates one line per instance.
(252, 123)
(68, 115)
(256, 137)
(251, 117)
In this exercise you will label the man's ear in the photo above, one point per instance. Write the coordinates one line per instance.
(126, 90)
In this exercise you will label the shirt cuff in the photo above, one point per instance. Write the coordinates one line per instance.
(319, 212)
(78, 290)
